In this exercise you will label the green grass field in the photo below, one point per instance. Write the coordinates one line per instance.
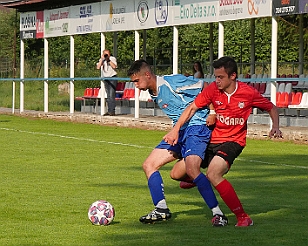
(52, 171)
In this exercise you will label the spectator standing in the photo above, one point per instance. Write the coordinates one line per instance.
(108, 65)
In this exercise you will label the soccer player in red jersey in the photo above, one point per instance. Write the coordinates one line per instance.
(233, 102)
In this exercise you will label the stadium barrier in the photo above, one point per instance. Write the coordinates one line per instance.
(126, 90)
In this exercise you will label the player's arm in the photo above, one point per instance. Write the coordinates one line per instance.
(211, 118)
(264, 104)
(172, 137)
(275, 132)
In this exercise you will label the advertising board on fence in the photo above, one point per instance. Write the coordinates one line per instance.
(129, 15)
(85, 18)
(285, 7)
(186, 12)
(243, 9)
(303, 6)
(152, 14)
(57, 22)
(117, 16)
(31, 25)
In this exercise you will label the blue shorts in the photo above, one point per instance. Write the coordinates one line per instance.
(193, 140)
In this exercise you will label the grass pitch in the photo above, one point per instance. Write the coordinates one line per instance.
(52, 171)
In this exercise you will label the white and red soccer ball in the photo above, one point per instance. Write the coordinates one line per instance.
(101, 213)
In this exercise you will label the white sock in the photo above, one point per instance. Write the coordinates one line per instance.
(217, 210)
(162, 204)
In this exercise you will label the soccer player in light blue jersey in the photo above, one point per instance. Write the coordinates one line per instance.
(173, 93)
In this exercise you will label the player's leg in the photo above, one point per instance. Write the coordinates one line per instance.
(219, 165)
(158, 158)
(205, 189)
(196, 142)
(178, 173)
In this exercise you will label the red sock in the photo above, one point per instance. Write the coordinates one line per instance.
(228, 195)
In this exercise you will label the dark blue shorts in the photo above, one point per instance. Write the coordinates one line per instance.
(193, 140)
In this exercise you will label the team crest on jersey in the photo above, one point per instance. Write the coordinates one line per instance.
(165, 105)
(241, 104)
(218, 103)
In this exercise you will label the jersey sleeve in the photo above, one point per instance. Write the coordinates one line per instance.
(204, 98)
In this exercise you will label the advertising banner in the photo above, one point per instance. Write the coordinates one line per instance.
(117, 16)
(285, 7)
(303, 6)
(186, 12)
(57, 22)
(85, 18)
(243, 9)
(27, 25)
(153, 13)
(40, 24)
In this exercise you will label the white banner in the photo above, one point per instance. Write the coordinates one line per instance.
(128, 15)
(85, 18)
(117, 15)
(153, 13)
(57, 22)
(27, 25)
(200, 11)
(243, 9)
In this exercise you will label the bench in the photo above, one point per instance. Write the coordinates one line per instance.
(90, 95)
(303, 105)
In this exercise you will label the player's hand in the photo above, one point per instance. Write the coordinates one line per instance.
(275, 132)
(171, 137)
(211, 119)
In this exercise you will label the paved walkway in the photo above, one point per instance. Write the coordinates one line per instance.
(255, 131)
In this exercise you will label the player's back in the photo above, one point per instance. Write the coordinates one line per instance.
(175, 93)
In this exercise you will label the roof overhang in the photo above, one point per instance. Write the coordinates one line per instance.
(37, 5)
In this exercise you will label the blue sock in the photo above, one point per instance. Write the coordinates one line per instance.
(206, 190)
(156, 187)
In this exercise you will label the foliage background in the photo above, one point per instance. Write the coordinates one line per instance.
(193, 45)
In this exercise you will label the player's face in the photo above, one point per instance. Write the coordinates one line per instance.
(141, 80)
(223, 80)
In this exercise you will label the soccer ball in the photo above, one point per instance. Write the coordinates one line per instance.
(101, 213)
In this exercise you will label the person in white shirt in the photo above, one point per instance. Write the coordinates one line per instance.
(108, 65)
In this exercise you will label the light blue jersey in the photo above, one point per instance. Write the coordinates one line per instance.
(175, 93)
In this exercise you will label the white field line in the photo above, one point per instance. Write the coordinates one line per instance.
(135, 146)
(270, 163)
(76, 138)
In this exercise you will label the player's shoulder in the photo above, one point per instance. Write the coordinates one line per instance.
(240, 83)
(245, 86)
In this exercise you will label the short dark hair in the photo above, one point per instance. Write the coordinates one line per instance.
(228, 63)
(137, 66)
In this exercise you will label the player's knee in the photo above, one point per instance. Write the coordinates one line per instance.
(173, 175)
(210, 176)
(147, 167)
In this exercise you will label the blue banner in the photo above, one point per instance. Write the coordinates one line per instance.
(303, 6)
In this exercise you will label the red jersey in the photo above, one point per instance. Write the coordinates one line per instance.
(232, 110)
